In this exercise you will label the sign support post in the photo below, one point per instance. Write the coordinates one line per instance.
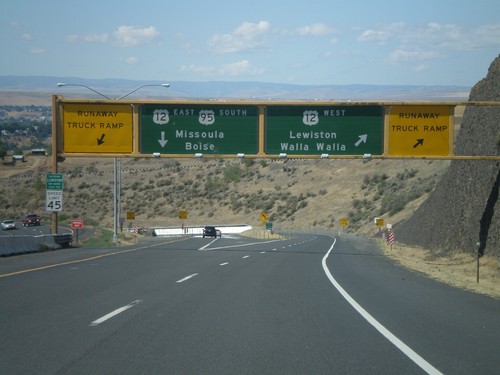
(55, 137)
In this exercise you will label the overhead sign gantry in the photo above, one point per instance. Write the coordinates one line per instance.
(256, 129)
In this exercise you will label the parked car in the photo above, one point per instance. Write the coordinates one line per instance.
(31, 219)
(210, 231)
(8, 224)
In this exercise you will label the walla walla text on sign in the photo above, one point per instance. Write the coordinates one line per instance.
(323, 129)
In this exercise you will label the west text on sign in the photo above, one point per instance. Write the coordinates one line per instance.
(336, 130)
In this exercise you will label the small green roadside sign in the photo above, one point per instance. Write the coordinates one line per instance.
(324, 129)
(199, 129)
(54, 181)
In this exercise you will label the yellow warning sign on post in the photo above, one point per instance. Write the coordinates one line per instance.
(97, 128)
(344, 221)
(420, 130)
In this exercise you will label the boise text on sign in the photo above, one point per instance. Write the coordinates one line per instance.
(203, 128)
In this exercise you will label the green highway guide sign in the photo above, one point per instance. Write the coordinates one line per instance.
(199, 128)
(324, 129)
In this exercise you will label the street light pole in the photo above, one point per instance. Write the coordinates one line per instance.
(62, 84)
(166, 85)
(116, 161)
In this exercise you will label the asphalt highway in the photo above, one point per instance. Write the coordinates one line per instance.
(311, 304)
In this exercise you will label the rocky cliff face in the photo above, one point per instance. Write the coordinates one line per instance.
(464, 209)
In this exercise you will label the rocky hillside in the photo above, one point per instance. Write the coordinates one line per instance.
(464, 209)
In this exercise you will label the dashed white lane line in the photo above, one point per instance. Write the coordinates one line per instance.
(187, 278)
(132, 304)
(114, 313)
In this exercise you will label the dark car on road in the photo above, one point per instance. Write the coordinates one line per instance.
(210, 231)
(31, 219)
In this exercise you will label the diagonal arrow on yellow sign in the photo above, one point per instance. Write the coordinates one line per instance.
(421, 130)
(97, 128)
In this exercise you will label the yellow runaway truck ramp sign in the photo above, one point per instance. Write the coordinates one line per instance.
(421, 130)
(97, 128)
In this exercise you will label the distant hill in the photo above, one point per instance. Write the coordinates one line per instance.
(41, 87)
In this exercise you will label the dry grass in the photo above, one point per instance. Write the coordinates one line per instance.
(262, 234)
(328, 188)
(458, 269)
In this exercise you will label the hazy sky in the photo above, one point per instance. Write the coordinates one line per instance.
(422, 42)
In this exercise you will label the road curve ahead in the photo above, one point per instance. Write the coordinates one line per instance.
(311, 304)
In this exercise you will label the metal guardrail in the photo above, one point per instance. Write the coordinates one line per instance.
(64, 240)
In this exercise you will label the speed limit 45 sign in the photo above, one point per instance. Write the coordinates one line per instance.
(54, 200)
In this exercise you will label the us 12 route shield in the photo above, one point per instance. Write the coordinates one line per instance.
(199, 128)
(323, 129)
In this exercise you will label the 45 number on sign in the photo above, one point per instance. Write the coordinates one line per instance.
(54, 200)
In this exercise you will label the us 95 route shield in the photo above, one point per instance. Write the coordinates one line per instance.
(199, 128)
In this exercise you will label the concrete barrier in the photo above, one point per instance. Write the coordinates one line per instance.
(10, 245)
(198, 230)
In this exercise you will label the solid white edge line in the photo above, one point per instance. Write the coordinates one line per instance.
(187, 278)
(410, 353)
(113, 313)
